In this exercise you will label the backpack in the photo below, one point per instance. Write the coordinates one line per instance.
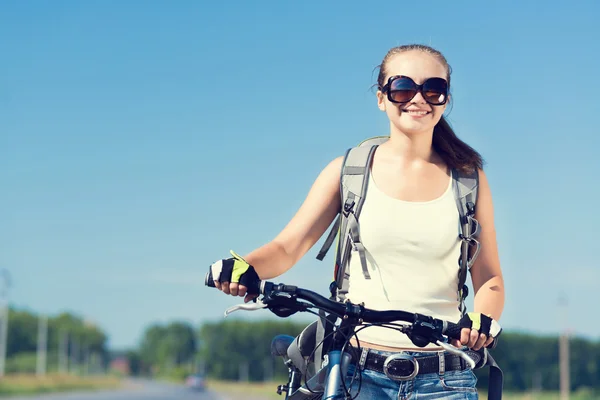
(353, 188)
(346, 228)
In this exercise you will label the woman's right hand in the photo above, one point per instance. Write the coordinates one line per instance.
(234, 276)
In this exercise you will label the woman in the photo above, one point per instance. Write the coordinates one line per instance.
(409, 227)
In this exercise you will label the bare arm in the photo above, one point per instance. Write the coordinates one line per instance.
(301, 233)
(486, 273)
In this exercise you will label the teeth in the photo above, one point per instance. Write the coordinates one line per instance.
(417, 112)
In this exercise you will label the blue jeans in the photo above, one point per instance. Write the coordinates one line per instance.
(451, 385)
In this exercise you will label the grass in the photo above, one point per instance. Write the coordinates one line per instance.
(267, 391)
(30, 384)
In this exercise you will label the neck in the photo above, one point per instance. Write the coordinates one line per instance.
(411, 147)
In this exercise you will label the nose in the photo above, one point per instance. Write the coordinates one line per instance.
(418, 98)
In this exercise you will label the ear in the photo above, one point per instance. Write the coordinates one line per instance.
(380, 100)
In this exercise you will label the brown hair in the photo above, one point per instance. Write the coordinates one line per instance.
(456, 153)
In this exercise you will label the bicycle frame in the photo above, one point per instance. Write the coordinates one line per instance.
(327, 382)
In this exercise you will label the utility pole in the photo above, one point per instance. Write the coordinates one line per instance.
(563, 353)
(42, 345)
(4, 285)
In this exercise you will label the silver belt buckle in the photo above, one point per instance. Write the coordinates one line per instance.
(386, 366)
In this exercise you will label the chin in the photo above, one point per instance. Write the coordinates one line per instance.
(415, 129)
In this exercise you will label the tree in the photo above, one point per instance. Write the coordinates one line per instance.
(164, 347)
(23, 335)
(229, 345)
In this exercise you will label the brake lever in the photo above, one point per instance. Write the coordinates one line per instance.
(257, 305)
(451, 349)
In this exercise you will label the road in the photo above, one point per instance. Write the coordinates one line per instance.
(134, 390)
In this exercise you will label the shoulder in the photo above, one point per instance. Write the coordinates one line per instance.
(329, 178)
(333, 169)
(483, 182)
(336, 163)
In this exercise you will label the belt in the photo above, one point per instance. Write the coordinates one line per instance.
(403, 366)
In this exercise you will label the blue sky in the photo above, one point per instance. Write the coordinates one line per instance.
(140, 141)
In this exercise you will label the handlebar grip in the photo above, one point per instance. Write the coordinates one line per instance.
(253, 284)
(453, 330)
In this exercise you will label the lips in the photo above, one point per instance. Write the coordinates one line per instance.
(416, 112)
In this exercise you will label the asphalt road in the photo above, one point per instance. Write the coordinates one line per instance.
(134, 390)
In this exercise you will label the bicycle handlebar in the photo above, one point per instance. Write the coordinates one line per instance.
(270, 289)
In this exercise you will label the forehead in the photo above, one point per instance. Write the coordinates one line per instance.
(415, 64)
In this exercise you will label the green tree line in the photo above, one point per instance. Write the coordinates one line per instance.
(235, 349)
(222, 351)
(240, 349)
(71, 341)
(529, 360)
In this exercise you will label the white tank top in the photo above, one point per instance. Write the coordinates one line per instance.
(412, 251)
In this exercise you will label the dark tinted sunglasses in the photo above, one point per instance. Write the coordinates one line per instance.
(402, 89)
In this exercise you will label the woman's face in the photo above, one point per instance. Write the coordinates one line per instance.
(416, 115)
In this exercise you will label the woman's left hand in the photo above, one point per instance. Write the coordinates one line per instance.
(478, 331)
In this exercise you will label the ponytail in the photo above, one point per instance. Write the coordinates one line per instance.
(456, 153)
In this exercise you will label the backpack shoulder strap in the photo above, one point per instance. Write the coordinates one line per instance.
(353, 188)
(466, 185)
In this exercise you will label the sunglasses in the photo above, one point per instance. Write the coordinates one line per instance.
(402, 89)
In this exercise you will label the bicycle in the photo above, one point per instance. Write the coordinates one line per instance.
(327, 380)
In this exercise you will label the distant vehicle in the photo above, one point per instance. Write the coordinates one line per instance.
(195, 382)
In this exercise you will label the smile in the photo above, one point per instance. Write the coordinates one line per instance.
(416, 112)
